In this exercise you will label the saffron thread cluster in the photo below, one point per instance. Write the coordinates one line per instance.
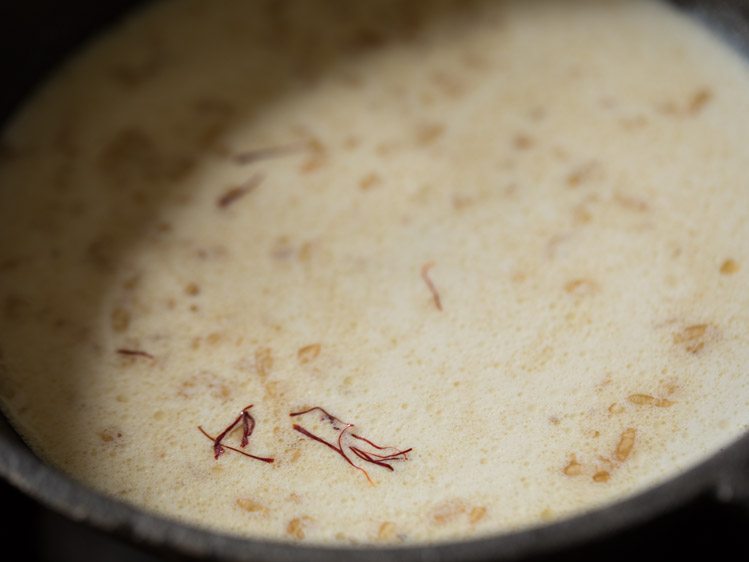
(352, 447)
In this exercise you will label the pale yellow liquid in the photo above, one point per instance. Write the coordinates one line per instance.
(574, 171)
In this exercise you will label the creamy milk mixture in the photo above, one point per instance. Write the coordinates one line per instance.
(513, 237)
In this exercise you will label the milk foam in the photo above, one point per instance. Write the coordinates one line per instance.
(574, 171)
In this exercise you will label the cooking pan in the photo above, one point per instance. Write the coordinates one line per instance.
(35, 36)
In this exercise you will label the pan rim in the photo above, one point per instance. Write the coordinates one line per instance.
(716, 477)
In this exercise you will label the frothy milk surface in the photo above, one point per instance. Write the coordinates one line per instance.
(511, 236)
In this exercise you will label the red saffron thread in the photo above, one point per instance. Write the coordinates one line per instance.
(330, 417)
(248, 426)
(362, 455)
(338, 450)
(246, 454)
(425, 276)
(381, 448)
(236, 193)
(252, 156)
(342, 428)
(135, 353)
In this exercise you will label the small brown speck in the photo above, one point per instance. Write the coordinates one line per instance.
(263, 361)
(131, 282)
(581, 174)
(605, 460)
(616, 408)
(460, 202)
(447, 511)
(305, 251)
(580, 287)
(295, 528)
(311, 165)
(477, 514)
(573, 467)
(271, 389)
(385, 148)
(131, 156)
(581, 214)
(476, 61)
(631, 203)
(250, 506)
(449, 85)
(601, 476)
(647, 400)
(317, 157)
(523, 142)
(369, 181)
(386, 532)
(729, 267)
(214, 338)
(641, 399)
(192, 289)
(668, 108)
(308, 353)
(428, 134)
(626, 444)
(691, 332)
(670, 387)
(692, 337)
(699, 100)
(120, 319)
(351, 143)
(109, 435)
